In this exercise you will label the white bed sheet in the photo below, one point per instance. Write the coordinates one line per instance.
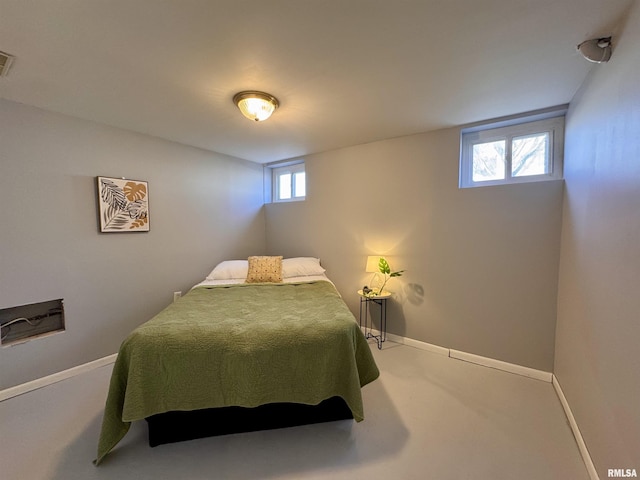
(235, 281)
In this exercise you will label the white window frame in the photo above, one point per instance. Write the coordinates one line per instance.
(277, 172)
(508, 130)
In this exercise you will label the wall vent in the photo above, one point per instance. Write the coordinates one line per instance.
(5, 63)
(25, 322)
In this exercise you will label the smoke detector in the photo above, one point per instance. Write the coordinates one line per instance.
(5, 63)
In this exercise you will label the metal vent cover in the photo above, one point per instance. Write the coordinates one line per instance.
(5, 63)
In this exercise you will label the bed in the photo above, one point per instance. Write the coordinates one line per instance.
(283, 348)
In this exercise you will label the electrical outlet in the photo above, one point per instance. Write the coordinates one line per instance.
(176, 295)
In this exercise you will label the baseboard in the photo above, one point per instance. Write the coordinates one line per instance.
(500, 365)
(429, 347)
(470, 357)
(582, 446)
(55, 377)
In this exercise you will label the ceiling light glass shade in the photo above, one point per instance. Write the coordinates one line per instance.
(596, 50)
(256, 106)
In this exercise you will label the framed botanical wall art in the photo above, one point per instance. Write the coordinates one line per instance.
(123, 205)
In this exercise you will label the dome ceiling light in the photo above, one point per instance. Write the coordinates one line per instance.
(597, 50)
(256, 106)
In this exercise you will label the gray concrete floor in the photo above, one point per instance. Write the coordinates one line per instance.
(427, 417)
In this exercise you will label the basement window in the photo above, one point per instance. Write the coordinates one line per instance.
(289, 182)
(528, 148)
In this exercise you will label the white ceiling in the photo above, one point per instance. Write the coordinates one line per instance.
(346, 72)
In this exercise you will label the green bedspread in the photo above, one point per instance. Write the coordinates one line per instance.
(243, 345)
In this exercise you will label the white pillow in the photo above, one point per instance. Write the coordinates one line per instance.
(230, 269)
(301, 267)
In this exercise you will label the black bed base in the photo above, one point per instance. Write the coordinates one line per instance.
(178, 426)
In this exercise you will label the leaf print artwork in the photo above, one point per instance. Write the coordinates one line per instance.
(135, 191)
(137, 209)
(112, 194)
(138, 223)
(123, 205)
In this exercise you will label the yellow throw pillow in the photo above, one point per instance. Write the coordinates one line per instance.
(265, 269)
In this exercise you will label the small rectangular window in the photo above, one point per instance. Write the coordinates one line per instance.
(300, 184)
(289, 183)
(530, 155)
(284, 186)
(488, 161)
(515, 151)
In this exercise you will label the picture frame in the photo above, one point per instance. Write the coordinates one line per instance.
(123, 205)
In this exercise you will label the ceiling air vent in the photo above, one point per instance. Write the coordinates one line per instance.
(5, 63)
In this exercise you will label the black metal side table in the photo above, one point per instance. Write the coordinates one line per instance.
(367, 322)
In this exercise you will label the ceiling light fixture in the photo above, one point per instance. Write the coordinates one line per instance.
(596, 50)
(256, 106)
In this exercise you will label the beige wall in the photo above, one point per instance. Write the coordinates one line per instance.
(204, 207)
(481, 263)
(598, 333)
